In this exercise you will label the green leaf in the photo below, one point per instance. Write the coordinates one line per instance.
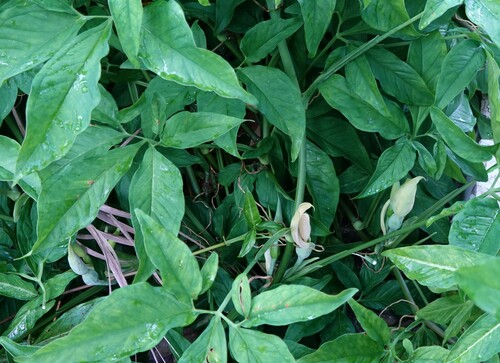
(317, 16)
(168, 49)
(459, 68)
(248, 242)
(385, 15)
(399, 79)
(393, 165)
(425, 159)
(15, 287)
(16, 349)
(477, 226)
(430, 354)
(322, 183)
(186, 129)
(264, 37)
(30, 34)
(224, 11)
(8, 96)
(348, 348)
(441, 310)
(250, 211)
(374, 326)
(360, 112)
(478, 343)
(209, 347)
(457, 140)
(435, 265)
(62, 97)
(209, 271)
(241, 295)
(155, 189)
(149, 311)
(494, 95)
(279, 101)
(485, 14)
(71, 198)
(127, 16)
(288, 304)
(252, 346)
(179, 271)
(434, 9)
(482, 285)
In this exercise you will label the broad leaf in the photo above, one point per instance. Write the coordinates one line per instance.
(322, 183)
(179, 271)
(385, 15)
(209, 347)
(155, 189)
(348, 348)
(30, 34)
(127, 16)
(168, 49)
(478, 343)
(458, 69)
(485, 14)
(252, 346)
(317, 15)
(279, 101)
(457, 140)
(149, 311)
(361, 113)
(62, 97)
(399, 79)
(15, 287)
(392, 166)
(186, 129)
(441, 310)
(71, 198)
(374, 326)
(292, 303)
(265, 36)
(482, 285)
(434, 9)
(477, 226)
(434, 265)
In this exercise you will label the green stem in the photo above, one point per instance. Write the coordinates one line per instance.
(13, 128)
(353, 55)
(6, 218)
(193, 181)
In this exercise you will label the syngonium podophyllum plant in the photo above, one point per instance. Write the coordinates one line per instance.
(159, 164)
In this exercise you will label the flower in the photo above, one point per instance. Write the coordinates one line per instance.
(300, 226)
(403, 197)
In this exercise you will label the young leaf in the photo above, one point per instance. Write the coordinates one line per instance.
(478, 343)
(434, 265)
(209, 271)
(355, 348)
(186, 129)
(459, 68)
(248, 242)
(279, 101)
(127, 16)
(155, 189)
(477, 226)
(360, 113)
(179, 271)
(250, 211)
(62, 97)
(168, 49)
(457, 140)
(252, 346)
(288, 304)
(30, 34)
(393, 165)
(317, 16)
(482, 285)
(374, 326)
(241, 295)
(71, 198)
(262, 38)
(15, 287)
(485, 14)
(209, 347)
(150, 312)
(399, 79)
(434, 9)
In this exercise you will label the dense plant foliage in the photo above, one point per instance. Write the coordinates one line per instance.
(250, 181)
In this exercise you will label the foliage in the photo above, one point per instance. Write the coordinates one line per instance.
(228, 178)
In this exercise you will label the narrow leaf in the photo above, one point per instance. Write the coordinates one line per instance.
(127, 16)
(179, 271)
(62, 97)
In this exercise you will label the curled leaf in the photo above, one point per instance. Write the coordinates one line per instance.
(300, 226)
